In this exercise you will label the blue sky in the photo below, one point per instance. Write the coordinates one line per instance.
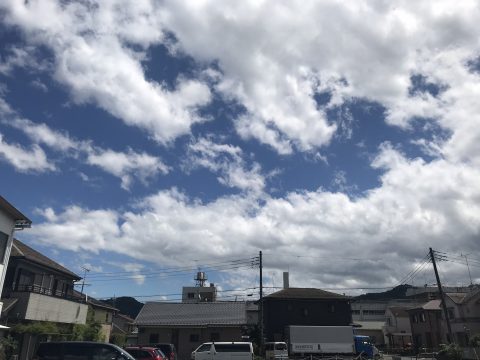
(148, 139)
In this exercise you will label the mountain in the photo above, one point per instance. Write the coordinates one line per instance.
(397, 292)
(127, 305)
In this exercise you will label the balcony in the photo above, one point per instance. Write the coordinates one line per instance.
(43, 304)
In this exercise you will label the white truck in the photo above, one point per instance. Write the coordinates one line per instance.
(329, 340)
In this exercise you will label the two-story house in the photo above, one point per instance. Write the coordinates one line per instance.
(303, 306)
(39, 289)
(10, 220)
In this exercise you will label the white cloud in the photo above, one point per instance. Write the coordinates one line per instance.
(43, 134)
(95, 60)
(418, 205)
(275, 57)
(126, 165)
(227, 161)
(25, 160)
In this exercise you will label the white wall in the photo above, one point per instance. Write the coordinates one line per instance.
(6, 226)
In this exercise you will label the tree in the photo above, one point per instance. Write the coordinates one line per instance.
(8, 345)
(91, 331)
(450, 352)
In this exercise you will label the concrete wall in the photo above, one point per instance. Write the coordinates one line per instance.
(32, 306)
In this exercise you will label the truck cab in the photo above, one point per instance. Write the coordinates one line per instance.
(364, 345)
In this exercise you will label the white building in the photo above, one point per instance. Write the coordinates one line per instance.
(10, 220)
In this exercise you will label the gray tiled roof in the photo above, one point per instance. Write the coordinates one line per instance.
(188, 314)
(304, 293)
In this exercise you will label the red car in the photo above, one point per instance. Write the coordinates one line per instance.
(145, 353)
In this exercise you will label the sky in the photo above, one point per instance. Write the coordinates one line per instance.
(149, 140)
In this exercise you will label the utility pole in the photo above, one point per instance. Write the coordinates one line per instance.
(84, 276)
(468, 267)
(442, 297)
(260, 313)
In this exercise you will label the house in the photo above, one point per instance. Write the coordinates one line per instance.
(397, 328)
(122, 325)
(464, 314)
(10, 220)
(427, 326)
(187, 325)
(303, 306)
(38, 289)
(103, 314)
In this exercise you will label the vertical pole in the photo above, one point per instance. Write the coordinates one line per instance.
(84, 276)
(468, 267)
(260, 315)
(442, 297)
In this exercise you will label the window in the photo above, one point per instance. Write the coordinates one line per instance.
(331, 308)
(75, 351)
(356, 312)
(215, 336)
(422, 318)
(194, 338)
(104, 353)
(3, 246)
(232, 348)
(451, 313)
(153, 338)
(204, 348)
(191, 295)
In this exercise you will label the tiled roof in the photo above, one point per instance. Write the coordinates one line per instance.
(399, 311)
(431, 305)
(305, 293)
(21, 250)
(457, 298)
(196, 314)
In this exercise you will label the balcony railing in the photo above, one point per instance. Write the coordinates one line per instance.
(47, 291)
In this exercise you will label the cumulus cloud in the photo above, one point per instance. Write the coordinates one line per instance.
(418, 205)
(94, 56)
(125, 165)
(25, 160)
(228, 162)
(289, 53)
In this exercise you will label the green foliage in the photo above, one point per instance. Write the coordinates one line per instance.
(91, 331)
(87, 332)
(475, 340)
(36, 328)
(450, 352)
(118, 339)
(7, 347)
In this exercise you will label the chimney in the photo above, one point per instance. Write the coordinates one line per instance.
(285, 280)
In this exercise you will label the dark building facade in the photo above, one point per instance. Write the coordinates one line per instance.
(303, 306)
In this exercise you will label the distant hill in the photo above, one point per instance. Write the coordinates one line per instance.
(127, 305)
(397, 292)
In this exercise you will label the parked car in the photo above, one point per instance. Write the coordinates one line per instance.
(145, 353)
(224, 351)
(168, 349)
(80, 350)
